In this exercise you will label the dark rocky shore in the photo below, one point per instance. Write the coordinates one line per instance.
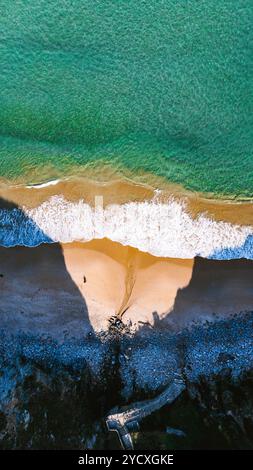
(57, 396)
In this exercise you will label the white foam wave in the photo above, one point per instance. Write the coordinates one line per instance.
(165, 230)
(43, 185)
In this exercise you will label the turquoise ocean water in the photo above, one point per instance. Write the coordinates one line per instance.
(160, 86)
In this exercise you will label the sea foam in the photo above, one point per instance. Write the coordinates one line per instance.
(162, 229)
(43, 185)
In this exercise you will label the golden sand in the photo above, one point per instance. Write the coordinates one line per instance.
(121, 191)
(75, 288)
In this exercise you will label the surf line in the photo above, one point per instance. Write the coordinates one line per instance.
(43, 185)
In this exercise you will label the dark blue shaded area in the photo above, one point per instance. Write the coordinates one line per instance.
(243, 251)
(16, 228)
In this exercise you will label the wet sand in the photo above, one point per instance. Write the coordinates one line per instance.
(75, 288)
(120, 191)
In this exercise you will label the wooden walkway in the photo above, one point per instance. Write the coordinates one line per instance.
(126, 421)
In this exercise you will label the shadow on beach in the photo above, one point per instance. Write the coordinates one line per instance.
(37, 293)
(66, 378)
(217, 290)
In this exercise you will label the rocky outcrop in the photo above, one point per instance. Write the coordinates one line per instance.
(58, 395)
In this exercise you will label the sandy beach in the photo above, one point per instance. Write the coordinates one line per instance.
(75, 288)
(119, 190)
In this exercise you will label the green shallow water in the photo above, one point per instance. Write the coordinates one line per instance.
(161, 86)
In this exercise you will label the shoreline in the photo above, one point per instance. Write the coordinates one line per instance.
(163, 229)
(121, 190)
(165, 222)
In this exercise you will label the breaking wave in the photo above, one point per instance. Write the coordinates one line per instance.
(162, 229)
